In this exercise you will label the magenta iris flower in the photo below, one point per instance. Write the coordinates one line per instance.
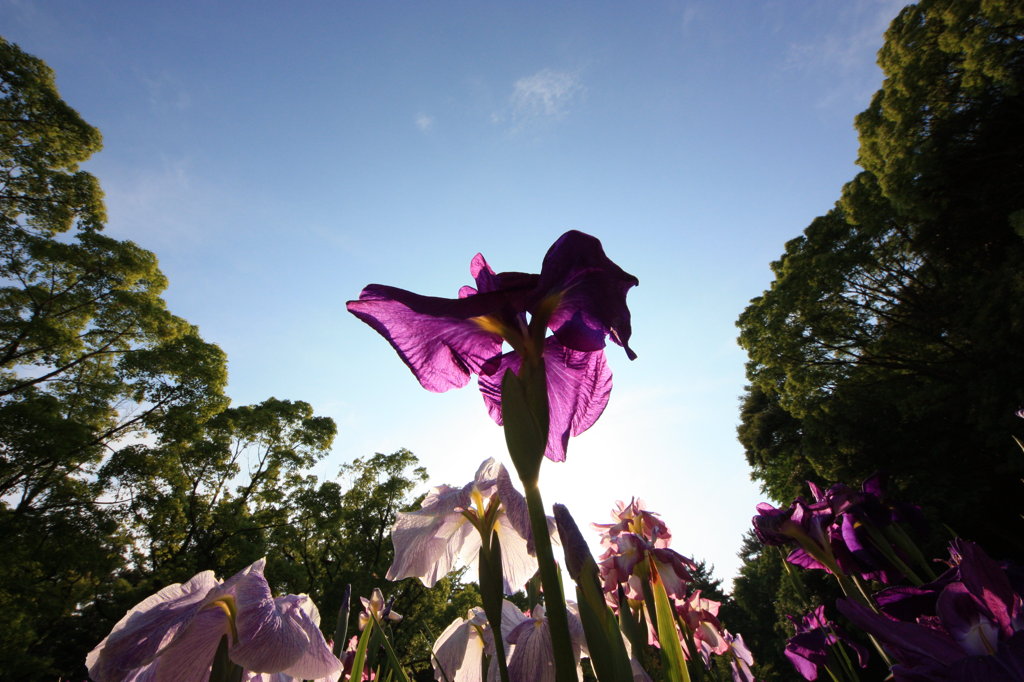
(968, 625)
(175, 633)
(580, 295)
(810, 649)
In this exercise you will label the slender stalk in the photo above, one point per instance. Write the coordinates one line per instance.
(565, 666)
(491, 593)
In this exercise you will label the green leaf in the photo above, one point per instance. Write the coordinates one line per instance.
(668, 636)
(360, 658)
(394, 665)
(604, 640)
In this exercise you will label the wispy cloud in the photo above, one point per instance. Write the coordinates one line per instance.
(841, 54)
(543, 96)
(166, 91)
(159, 205)
(424, 122)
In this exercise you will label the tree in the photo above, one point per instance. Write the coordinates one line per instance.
(890, 338)
(90, 357)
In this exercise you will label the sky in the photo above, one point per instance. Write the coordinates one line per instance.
(277, 157)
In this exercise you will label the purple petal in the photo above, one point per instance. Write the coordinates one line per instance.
(533, 657)
(270, 639)
(914, 642)
(592, 293)
(148, 627)
(967, 620)
(807, 668)
(458, 648)
(986, 581)
(190, 655)
(436, 337)
(579, 385)
(800, 557)
(316, 661)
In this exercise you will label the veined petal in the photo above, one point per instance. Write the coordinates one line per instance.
(912, 641)
(459, 650)
(316, 662)
(189, 657)
(458, 653)
(592, 294)
(427, 542)
(533, 656)
(436, 337)
(968, 620)
(149, 626)
(271, 637)
(579, 385)
(517, 564)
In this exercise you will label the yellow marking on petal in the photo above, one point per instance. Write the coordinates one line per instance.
(478, 501)
(489, 324)
(227, 605)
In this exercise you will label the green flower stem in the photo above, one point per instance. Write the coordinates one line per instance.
(554, 599)
(850, 673)
(491, 593)
(882, 544)
(904, 542)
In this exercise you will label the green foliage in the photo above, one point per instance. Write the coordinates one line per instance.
(89, 359)
(122, 468)
(890, 338)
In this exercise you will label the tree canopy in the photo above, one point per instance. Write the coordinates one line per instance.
(123, 466)
(890, 338)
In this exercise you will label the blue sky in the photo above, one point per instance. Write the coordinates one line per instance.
(279, 156)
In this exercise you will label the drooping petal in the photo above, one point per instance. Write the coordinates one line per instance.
(516, 511)
(458, 652)
(270, 636)
(984, 578)
(592, 291)
(147, 627)
(517, 564)
(190, 656)
(579, 385)
(317, 662)
(428, 541)
(533, 656)
(436, 337)
(967, 620)
(913, 642)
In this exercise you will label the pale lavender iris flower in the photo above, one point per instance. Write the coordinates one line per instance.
(459, 651)
(175, 633)
(532, 656)
(430, 542)
(581, 296)
(378, 609)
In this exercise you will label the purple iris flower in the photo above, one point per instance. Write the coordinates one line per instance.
(968, 625)
(843, 530)
(175, 633)
(579, 294)
(810, 648)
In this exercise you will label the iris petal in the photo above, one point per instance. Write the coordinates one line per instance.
(592, 292)
(579, 385)
(428, 541)
(436, 337)
(148, 627)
